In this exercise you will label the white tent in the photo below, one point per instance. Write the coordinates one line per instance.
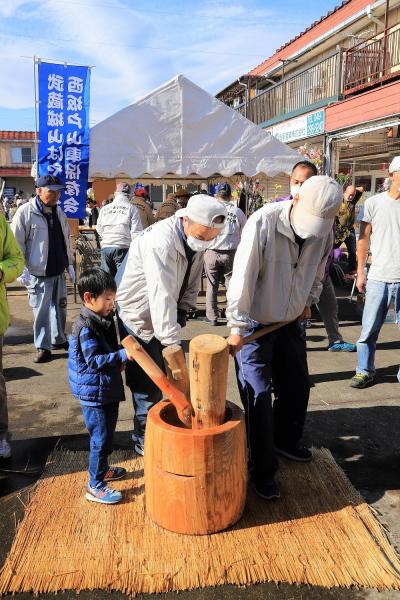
(181, 131)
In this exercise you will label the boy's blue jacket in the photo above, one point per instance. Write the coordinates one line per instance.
(94, 360)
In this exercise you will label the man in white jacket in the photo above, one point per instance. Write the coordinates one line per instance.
(157, 284)
(277, 275)
(118, 223)
(218, 260)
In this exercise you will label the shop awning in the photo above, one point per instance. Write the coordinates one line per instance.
(179, 130)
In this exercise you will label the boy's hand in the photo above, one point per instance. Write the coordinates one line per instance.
(305, 315)
(130, 357)
(235, 343)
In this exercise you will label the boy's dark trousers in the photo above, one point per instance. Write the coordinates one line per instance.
(279, 357)
(100, 422)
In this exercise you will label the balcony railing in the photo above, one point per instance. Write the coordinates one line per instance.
(372, 61)
(315, 86)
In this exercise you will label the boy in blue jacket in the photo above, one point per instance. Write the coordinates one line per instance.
(94, 369)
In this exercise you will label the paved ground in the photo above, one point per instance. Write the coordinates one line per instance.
(359, 426)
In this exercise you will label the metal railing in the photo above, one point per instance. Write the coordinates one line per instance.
(312, 86)
(372, 61)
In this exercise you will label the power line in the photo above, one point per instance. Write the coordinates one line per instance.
(116, 45)
(183, 14)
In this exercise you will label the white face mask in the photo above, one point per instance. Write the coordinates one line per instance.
(299, 230)
(198, 245)
(294, 190)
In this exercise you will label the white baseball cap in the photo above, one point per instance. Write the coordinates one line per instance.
(319, 200)
(204, 210)
(394, 165)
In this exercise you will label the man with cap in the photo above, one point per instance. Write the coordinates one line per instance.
(182, 196)
(117, 225)
(380, 227)
(277, 275)
(218, 259)
(41, 229)
(167, 208)
(158, 284)
(143, 207)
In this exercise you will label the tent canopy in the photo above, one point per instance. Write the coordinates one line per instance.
(180, 130)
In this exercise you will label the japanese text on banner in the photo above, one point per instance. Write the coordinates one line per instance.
(64, 131)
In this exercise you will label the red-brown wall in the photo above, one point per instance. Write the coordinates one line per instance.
(103, 188)
(375, 104)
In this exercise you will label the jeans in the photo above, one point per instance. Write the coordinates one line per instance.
(328, 309)
(112, 258)
(3, 398)
(280, 357)
(377, 302)
(100, 423)
(351, 244)
(218, 264)
(48, 299)
(145, 393)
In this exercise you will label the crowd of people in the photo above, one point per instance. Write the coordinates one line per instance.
(275, 266)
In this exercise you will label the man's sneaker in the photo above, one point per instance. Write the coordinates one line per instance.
(298, 453)
(114, 473)
(342, 347)
(63, 346)
(361, 380)
(103, 495)
(212, 322)
(139, 448)
(5, 449)
(266, 488)
(42, 356)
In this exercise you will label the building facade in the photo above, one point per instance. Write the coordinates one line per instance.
(17, 153)
(333, 92)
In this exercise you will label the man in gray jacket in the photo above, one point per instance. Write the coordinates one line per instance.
(158, 284)
(118, 224)
(41, 229)
(277, 275)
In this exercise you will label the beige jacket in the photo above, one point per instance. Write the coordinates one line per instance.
(145, 212)
(270, 281)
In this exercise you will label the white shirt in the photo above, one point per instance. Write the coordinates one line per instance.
(229, 237)
(383, 212)
(118, 223)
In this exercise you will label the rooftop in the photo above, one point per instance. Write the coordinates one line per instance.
(17, 136)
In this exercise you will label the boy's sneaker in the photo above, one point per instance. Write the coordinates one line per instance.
(266, 488)
(342, 346)
(114, 473)
(103, 495)
(298, 453)
(361, 380)
(5, 449)
(139, 448)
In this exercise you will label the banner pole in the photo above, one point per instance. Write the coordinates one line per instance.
(36, 116)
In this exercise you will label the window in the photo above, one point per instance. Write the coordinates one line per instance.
(21, 155)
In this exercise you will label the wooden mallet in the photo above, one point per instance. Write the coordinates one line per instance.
(176, 396)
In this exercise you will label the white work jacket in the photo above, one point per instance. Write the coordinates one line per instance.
(148, 295)
(271, 281)
(229, 237)
(118, 223)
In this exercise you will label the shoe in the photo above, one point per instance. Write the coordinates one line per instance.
(213, 322)
(139, 448)
(298, 453)
(114, 473)
(5, 449)
(103, 495)
(42, 356)
(342, 347)
(361, 380)
(266, 488)
(63, 346)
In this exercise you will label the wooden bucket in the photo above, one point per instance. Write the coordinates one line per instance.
(195, 480)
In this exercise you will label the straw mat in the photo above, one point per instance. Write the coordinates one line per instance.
(321, 533)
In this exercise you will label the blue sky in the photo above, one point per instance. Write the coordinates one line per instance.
(136, 45)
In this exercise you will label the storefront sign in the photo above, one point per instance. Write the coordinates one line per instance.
(301, 127)
(64, 131)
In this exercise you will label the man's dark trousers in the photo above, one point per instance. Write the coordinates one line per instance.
(279, 357)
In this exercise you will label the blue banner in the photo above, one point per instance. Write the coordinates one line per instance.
(64, 131)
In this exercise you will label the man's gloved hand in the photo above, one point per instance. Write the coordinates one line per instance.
(71, 273)
(181, 317)
(25, 277)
